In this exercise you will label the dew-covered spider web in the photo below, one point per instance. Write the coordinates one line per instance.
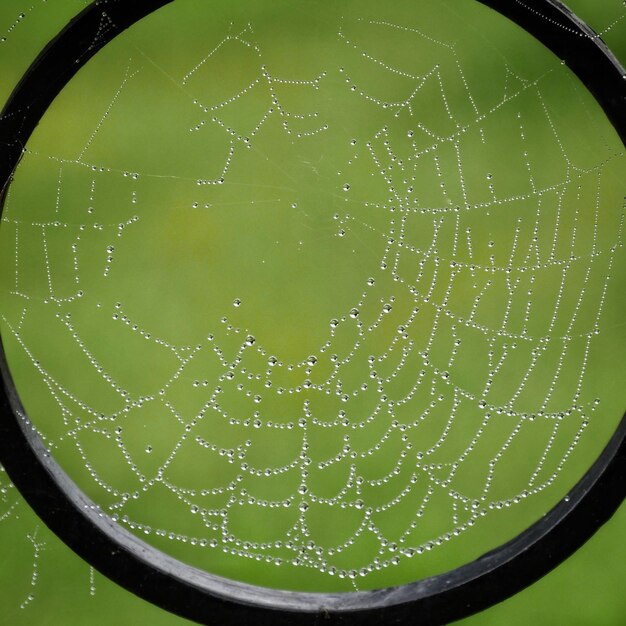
(321, 296)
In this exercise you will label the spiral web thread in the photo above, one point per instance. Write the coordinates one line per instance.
(425, 276)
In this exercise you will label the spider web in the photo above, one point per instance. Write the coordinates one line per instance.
(457, 243)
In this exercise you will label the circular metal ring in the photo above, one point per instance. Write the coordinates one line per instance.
(206, 598)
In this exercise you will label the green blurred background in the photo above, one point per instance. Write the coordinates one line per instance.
(43, 583)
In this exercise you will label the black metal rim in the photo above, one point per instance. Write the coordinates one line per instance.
(206, 598)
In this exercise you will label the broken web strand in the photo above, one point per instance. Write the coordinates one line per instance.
(438, 278)
(27, 570)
